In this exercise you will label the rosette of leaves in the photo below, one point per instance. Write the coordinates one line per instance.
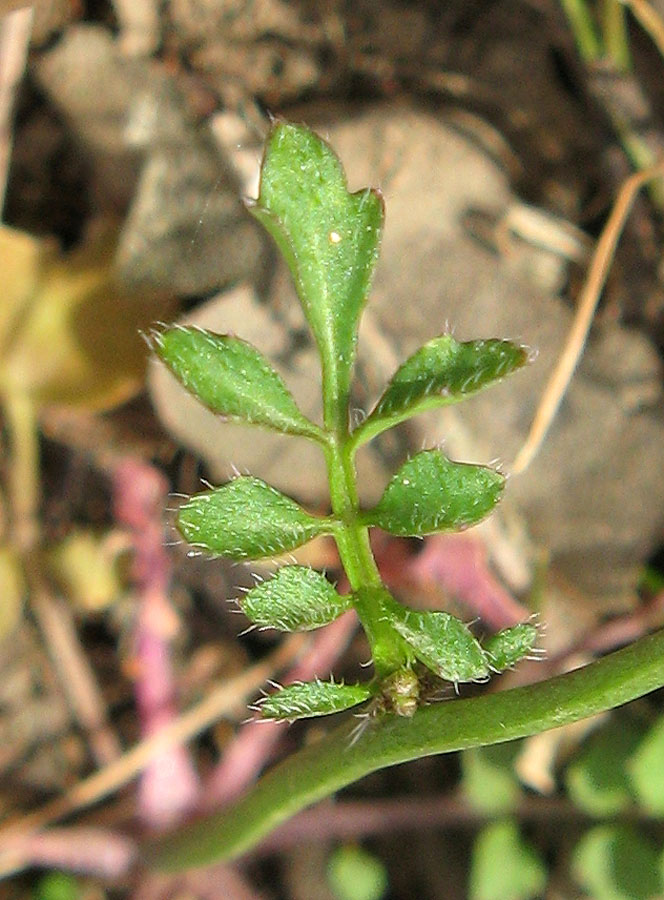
(330, 239)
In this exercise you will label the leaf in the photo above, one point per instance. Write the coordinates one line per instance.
(297, 598)
(615, 862)
(21, 259)
(508, 646)
(431, 493)
(489, 781)
(247, 519)
(231, 378)
(645, 770)
(12, 591)
(444, 644)
(71, 332)
(57, 886)
(312, 698)
(355, 874)
(329, 238)
(86, 567)
(504, 867)
(441, 372)
(596, 779)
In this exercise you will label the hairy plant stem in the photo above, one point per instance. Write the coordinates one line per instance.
(323, 767)
(371, 597)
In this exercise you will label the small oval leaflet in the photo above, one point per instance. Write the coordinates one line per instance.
(296, 599)
(441, 372)
(232, 378)
(247, 519)
(312, 698)
(506, 648)
(444, 644)
(430, 493)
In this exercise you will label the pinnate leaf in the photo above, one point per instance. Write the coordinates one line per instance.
(297, 598)
(247, 519)
(441, 372)
(312, 698)
(431, 493)
(444, 644)
(232, 378)
(328, 236)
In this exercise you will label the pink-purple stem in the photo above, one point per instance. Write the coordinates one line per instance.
(169, 787)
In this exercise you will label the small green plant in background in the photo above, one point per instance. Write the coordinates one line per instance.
(611, 799)
(330, 239)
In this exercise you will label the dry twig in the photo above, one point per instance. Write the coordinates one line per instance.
(592, 289)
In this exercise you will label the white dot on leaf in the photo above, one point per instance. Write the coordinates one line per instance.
(334, 237)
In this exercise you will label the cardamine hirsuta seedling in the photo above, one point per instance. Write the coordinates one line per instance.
(330, 239)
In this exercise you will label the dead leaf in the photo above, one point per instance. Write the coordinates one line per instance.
(71, 333)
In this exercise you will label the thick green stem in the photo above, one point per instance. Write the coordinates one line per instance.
(324, 767)
(388, 650)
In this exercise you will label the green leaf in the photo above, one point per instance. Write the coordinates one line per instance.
(504, 867)
(441, 372)
(615, 862)
(296, 599)
(57, 886)
(431, 493)
(355, 874)
(329, 237)
(444, 644)
(645, 770)
(247, 519)
(510, 645)
(596, 779)
(489, 781)
(232, 379)
(312, 698)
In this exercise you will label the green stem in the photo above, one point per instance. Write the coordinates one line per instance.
(614, 29)
(325, 766)
(371, 598)
(583, 28)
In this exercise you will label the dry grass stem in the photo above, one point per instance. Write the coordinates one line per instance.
(588, 300)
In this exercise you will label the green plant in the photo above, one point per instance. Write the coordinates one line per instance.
(330, 239)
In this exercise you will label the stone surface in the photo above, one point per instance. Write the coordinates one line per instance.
(593, 498)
